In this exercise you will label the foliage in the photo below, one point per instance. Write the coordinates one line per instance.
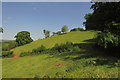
(39, 49)
(88, 21)
(103, 16)
(1, 29)
(46, 33)
(7, 45)
(23, 37)
(77, 29)
(7, 54)
(64, 28)
(108, 40)
(53, 33)
(58, 33)
(67, 47)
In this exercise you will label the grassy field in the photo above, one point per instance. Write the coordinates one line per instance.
(89, 62)
(69, 65)
(75, 37)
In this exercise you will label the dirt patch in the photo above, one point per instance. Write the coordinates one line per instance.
(58, 64)
(15, 56)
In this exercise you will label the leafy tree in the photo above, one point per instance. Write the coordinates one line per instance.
(106, 19)
(104, 14)
(1, 29)
(46, 33)
(77, 29)
(88, 23)
(64, 28)
(23, 37)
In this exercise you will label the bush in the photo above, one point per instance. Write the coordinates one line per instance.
(37, 51)
(40, 49)
(110, 43)
(77, 29)
(67, 47)
(7, 53)
(58, 33)
(107, 40)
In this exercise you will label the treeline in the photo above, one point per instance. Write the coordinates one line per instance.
(106, 19)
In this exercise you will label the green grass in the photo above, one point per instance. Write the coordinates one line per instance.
(58, 66)
(62, 65)
(75, 37)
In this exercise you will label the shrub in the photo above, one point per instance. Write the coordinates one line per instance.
(40, 49)
(37, 51)
(107, 40)
(67, 47)
(7, 53)
(77, 29)
(58, 33)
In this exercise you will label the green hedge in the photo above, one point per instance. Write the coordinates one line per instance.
(7, 54)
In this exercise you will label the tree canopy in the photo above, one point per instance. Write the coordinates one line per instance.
(64, 28)
(1, 29)
(104, 17)
(46, 33)
(23, 37)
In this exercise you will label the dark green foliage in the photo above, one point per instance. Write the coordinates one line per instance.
(107, 40)
(58, 33)
(64, 28)
(67, 47)
(103, 16)
(39, 49)
(77, 29)
(7, 54)
(7, 45)
(1, 29)
(88, 23)
(23, 37)
(46, 33)
(26, 54)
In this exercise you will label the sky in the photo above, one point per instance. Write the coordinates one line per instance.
(37, 16)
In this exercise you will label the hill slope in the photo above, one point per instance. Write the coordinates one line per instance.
(75, 37)
(61, 65)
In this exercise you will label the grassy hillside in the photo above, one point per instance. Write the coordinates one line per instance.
(70, 65)
(62, 65)
(75, 37)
